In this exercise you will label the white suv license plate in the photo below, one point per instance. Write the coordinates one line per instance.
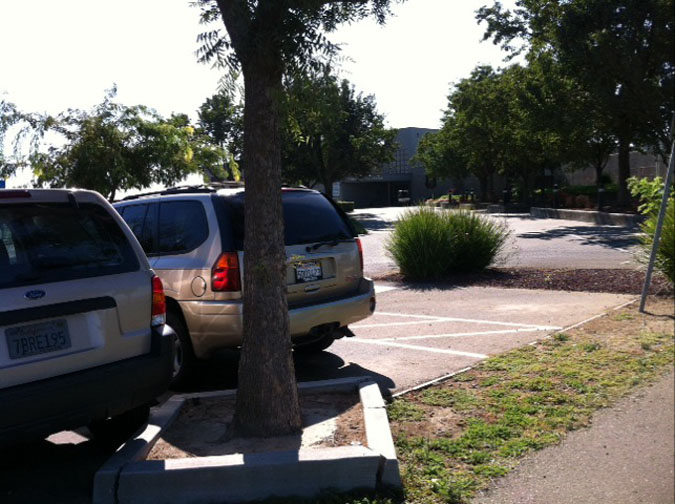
(35, 339)
(308, 271)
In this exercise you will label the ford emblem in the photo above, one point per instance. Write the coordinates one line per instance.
(34, 294)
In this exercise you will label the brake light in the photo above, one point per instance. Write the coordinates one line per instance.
(10, 193)
(358, 244)
(158, 302)
(225, 273)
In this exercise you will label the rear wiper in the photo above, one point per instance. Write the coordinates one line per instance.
(330, 243)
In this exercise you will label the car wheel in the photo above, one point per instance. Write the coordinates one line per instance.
(316, 346)
(116, 430)
(183, 356)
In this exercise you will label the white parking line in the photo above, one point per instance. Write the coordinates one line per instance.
(380, 288)
(431, 319)
(457, 335)
(416, 347)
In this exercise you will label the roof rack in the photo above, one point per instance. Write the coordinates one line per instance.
(200, 188)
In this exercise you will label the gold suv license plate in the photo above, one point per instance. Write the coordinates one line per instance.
(35, 339)
(308, 271)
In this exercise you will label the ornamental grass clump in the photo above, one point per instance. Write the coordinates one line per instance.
(420, 243)
(427, 244)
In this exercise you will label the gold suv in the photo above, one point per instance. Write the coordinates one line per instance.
(193, 237)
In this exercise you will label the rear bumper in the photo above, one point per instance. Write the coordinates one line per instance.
(34, 410)
(219, 324)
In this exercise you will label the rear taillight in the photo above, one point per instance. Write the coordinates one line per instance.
(158, 302)
(358, 244)
(225, 273)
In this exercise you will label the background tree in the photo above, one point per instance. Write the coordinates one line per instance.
(510, 121)
(331, 132)
(477, 120)
(439, 154)
(266, 38)
(110, 148)
(221, 119)
(621, 53)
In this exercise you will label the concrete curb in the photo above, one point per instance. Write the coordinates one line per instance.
(128, 478)
(610, 219)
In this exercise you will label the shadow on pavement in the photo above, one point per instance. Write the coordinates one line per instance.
(47, 472)
(614, 237)
(220, 372)
(372, 222)
(326, 366)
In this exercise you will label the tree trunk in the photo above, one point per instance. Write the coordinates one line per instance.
(483, 182)
(599, 168)
(328, 187)
(623, 196)
(490, 188)
(267, 396)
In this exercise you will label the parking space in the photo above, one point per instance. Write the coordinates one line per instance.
(418, 335)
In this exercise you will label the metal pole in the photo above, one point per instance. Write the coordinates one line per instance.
(659, 226)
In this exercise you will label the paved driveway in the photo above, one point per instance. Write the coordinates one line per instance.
(537, 243)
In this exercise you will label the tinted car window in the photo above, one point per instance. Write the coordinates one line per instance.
(149, 238)
(308, 218)
(54, 242)
(134, 216)
(182, 226)
(142, 220)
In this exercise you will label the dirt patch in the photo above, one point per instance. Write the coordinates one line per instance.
(329, 419)
(618, 281)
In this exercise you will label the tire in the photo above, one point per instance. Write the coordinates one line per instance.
(184, 360)
(114, 431)
(316, 346)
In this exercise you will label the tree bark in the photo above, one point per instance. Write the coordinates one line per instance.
(483, 182)
(599, 168)
(328, 187)
(623, 196)
(267, 397)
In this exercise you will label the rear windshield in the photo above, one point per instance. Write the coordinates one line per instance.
(53, 242)
(309, 217)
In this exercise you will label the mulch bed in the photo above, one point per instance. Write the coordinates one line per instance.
(618, 281)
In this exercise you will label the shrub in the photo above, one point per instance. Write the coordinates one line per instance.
(420, 243)
(665, 256)
(582, 201)
(427, 244)
(650, 193)
(347, 206)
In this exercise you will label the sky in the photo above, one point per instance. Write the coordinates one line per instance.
(64, 54)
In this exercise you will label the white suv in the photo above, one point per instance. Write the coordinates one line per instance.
(82, 334)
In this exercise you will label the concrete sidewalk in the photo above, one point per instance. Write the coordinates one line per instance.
(627, 456)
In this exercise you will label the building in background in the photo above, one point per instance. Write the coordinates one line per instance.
(381, 188)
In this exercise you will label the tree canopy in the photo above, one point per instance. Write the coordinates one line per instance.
(331, 132)
(110, 148)
(620, 53)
